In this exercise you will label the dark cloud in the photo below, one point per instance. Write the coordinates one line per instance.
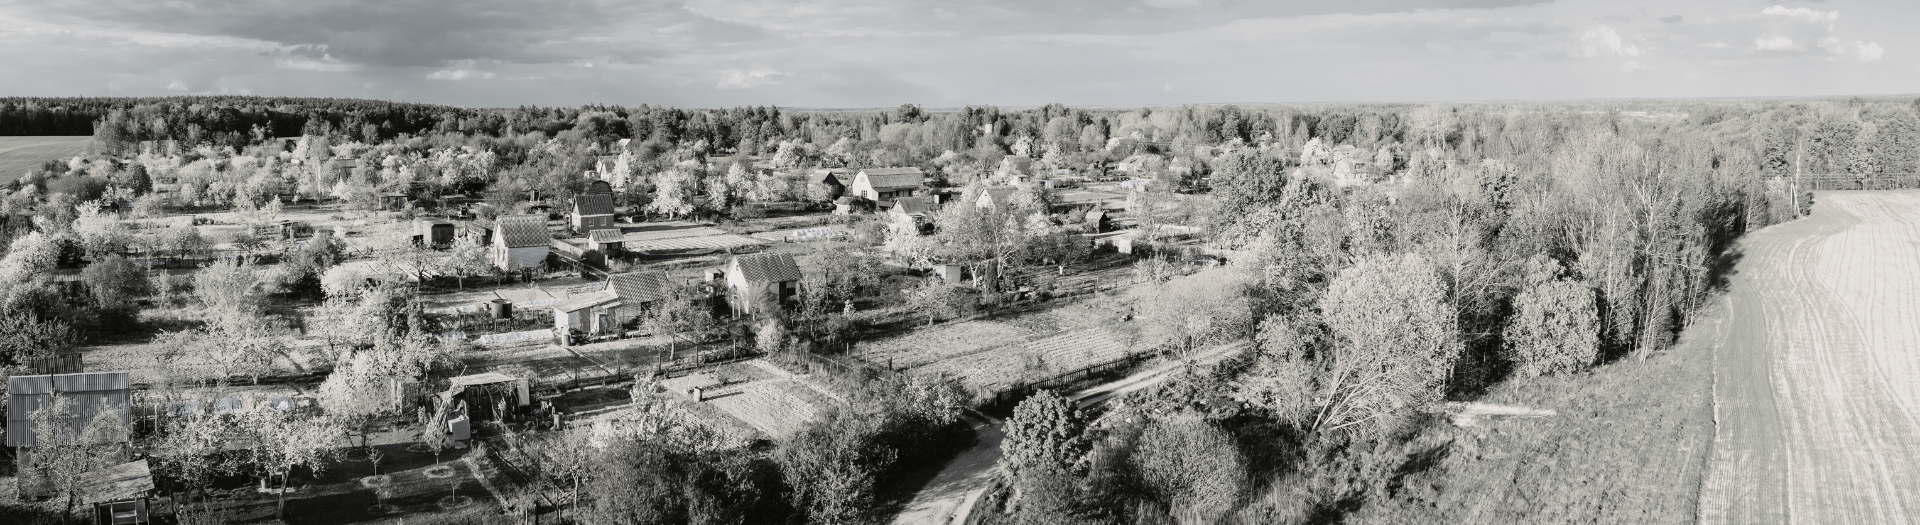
(419, 32)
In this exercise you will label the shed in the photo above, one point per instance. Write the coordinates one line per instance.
(393, 201)
(520, 242)
(885, 184)
(605, 241)
(433, 232)
(599, 187)
(585, 313)
(592, 212)
(775, 273)
(291, 229)
(90, 392)
(1098, 221)
(127, 480)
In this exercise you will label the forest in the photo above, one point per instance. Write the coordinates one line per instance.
(1385, 260)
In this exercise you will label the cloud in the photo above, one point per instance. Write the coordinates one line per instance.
(459, 74)
(1775, 43)
(743, 79)
(1856, 50)
(1826, 18)
(1172, 4)
(1634, 65)
(325, 63)
(1603, 41)
(943, 14)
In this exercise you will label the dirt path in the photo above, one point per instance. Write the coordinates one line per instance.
(1817, 374)
(951, 493)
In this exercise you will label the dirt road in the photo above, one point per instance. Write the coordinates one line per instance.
(1817, 371)
(951, 494)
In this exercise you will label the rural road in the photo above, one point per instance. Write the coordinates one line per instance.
(1817, 369)
(951, 493)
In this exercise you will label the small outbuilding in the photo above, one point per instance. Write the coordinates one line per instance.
(919, 208)
(775, 274)
(995, 196)
(1098, 221)
(607, 242)
(433, 232)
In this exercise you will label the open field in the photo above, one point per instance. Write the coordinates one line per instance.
(18, 155)
(773, 402)
(1818, 405)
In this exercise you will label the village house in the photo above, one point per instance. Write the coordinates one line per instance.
(918, 208)
(774, 274)
(995, 196)
(520, 242)
(882, 185)
(619, 305)
(831, 179)
(592, 211)
(1015, 168)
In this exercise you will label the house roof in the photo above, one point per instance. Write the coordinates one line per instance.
(599, 187)
(770, 267)
(640, 287)
(825, 177)
(913, 205)
(523, 231)
(893, 177)
(605, 236)
(996, 195)
(119, 481)
(1096, 214)
(583, 302)
(593, 204)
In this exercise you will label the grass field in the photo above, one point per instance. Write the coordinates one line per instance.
(18, 155)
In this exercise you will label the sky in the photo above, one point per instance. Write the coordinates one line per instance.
(868, 54)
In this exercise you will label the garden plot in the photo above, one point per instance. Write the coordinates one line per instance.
(950, 341)
(996, 369)
(774, 403)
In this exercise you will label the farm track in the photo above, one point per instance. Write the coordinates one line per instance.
(1816, 399)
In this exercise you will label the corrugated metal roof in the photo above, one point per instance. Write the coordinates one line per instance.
(605, 236)
(593, 204)
(584, 302)
(523, 231)
(770, 267)
(641, 287)
(88, 392)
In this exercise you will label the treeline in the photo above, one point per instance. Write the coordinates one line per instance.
(1509, 246)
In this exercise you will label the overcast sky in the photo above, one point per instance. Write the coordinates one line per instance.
(848, 53)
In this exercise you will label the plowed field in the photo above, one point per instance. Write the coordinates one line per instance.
(1817, 379)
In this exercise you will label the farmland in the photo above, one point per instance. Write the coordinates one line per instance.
(18, 155)
(1813, 379)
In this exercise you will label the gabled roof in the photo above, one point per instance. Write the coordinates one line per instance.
(640, 287)
(826, 177)
(605, 236)
(893, 177)
(913, 205)
(996, 195)
(1096, 213)
(522, 231)
(593, 204)
(770, 267)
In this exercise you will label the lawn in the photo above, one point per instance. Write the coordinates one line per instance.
(18, 155)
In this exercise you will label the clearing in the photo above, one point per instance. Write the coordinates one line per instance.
(1818, 409)
(18, 155)
(989, 355)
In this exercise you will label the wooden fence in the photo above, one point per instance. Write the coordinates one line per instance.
(1064, 380)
